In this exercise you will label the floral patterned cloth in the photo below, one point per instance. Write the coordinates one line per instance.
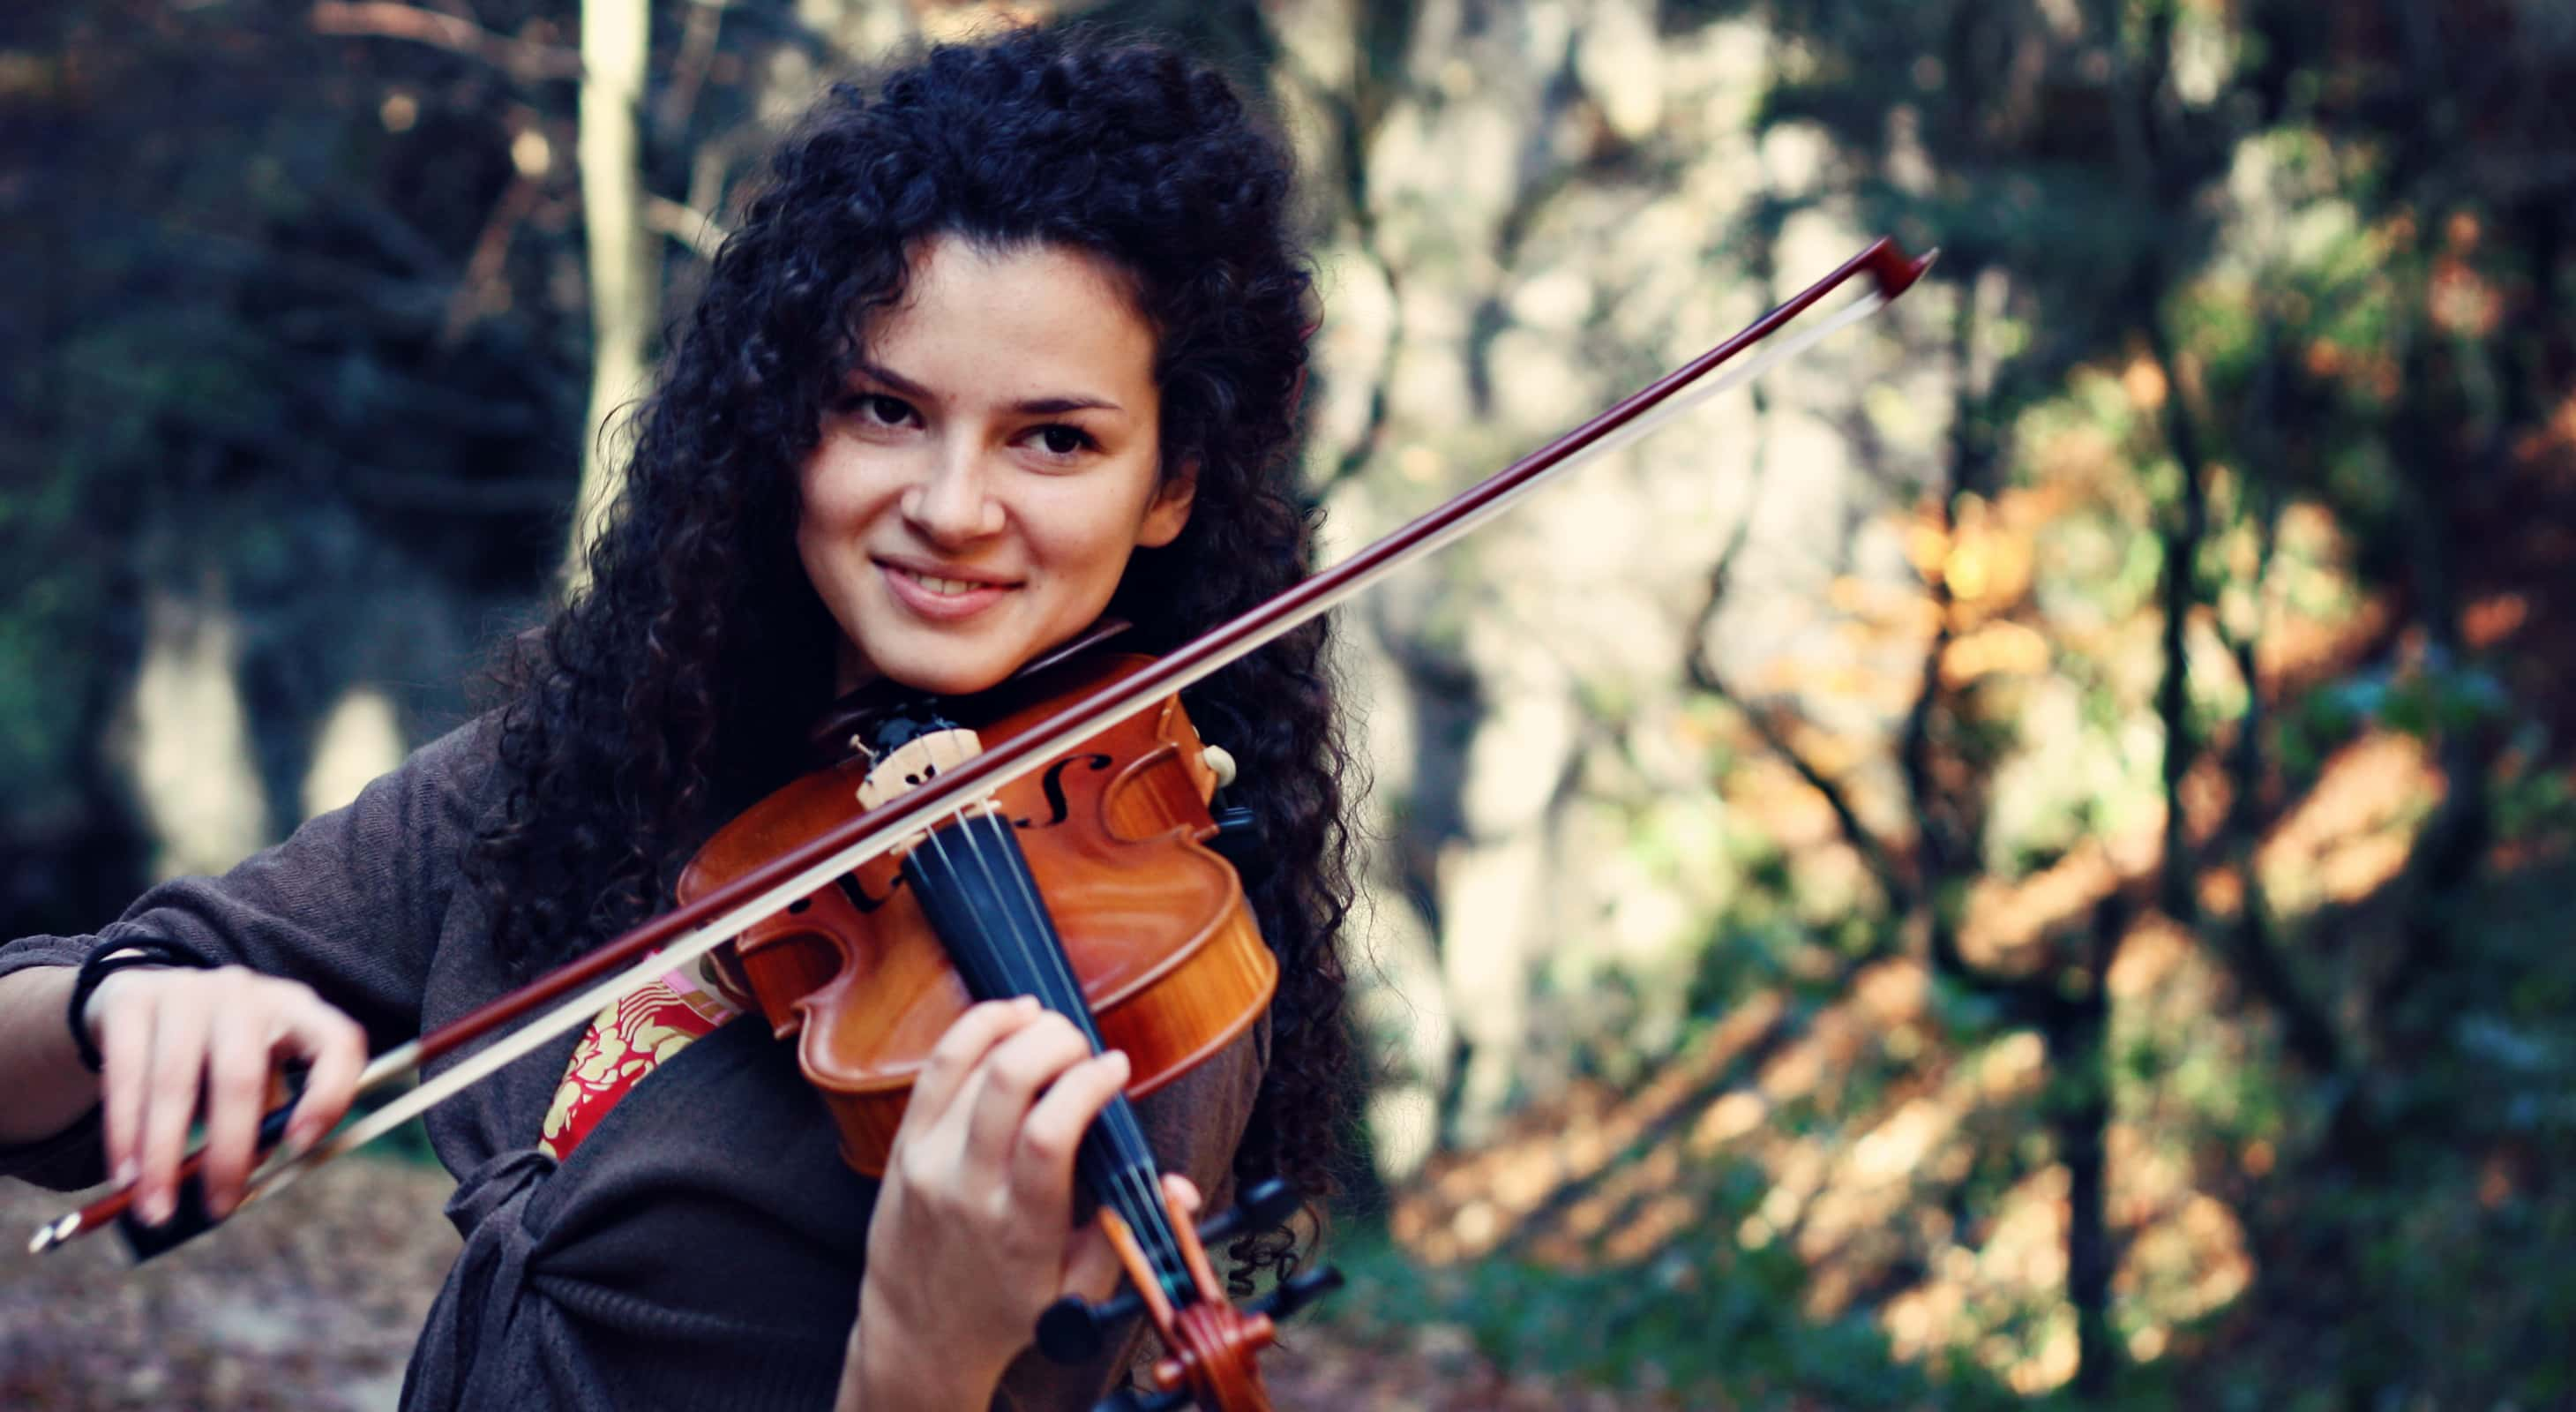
(630, 1037)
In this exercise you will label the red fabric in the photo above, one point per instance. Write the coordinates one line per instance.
(628, 1039)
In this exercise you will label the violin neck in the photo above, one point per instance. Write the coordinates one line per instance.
(975, 887)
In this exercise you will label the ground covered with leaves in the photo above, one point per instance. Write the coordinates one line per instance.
(310, 1302)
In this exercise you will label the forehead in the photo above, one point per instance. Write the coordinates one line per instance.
(1019, 312)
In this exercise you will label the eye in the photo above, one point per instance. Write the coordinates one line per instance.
(1060, 439)
(884, 411)
(876, 409)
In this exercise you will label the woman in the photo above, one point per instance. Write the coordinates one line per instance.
(1010, 343)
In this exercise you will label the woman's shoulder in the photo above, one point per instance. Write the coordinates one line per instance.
(464, 748)
(447, 786)
(463, 760)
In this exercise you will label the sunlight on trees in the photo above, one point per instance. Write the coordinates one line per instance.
(2028, 860)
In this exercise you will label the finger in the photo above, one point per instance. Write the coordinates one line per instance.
(1182, 1193)
(169, 1101)
(337, 1050)
(125, 1048)
(1042, 1160)
(1010, 1080)
(237, 1065)
(1091, 1267)
(952, 1061)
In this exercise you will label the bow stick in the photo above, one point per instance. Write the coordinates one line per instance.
(679, 937)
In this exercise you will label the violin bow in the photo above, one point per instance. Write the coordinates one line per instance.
(679, 937)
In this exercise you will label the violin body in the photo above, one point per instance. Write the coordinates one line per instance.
(1086, 882)
(1115, 832)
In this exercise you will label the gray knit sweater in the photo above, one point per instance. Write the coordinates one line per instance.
(701, 1248)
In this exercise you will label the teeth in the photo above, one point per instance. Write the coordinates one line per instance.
(945, 588)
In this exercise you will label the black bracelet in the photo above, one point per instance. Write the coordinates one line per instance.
(107, 961)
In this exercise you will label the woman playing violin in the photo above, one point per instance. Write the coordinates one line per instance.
(1009, 344)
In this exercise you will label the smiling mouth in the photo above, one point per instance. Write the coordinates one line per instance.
(939, 597)
(945, 588)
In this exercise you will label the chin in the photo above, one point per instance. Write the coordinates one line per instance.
(948, 674)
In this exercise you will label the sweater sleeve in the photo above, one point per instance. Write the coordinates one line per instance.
(352, 905)
(1195, 1124)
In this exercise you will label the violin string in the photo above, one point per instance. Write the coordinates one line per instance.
(1134, 1157)
(1144, 1215)
(1133, 1162)
(1126, 1187)
(1027, 885)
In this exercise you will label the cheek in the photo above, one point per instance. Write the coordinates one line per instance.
(837, 498)
(1091, 541)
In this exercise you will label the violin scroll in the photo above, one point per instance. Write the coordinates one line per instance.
(1073, 1329)
(1210, 1344)
(1280, 1303)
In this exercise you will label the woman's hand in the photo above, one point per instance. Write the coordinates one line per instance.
(168, 1035)
(973, 1234)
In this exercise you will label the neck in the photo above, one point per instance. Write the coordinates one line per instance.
(851, 669)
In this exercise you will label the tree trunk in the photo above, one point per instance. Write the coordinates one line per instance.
(625, 276)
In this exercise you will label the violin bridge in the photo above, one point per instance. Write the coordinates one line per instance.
(917, 762)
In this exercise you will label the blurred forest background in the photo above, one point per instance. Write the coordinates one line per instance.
(2031, 858)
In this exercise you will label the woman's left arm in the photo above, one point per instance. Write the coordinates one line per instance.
(971, 1238)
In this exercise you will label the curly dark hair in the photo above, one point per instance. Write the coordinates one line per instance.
(675, 690)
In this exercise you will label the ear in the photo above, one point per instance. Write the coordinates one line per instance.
(1169, 511)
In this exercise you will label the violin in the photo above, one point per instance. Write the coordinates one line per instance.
(833, 914)
(1090, 885)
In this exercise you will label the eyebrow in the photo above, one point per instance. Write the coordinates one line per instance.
(1032, 407)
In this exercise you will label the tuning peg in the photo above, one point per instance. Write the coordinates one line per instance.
(1238, 834)
(1072, 1329)
(1220, 763)
(1297, 1293)
(1266, 1204)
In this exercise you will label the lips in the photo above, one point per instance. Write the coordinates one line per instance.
(941, 597)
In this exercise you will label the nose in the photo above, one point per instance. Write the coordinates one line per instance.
(951, 502)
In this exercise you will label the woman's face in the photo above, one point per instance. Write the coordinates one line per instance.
(988, 469)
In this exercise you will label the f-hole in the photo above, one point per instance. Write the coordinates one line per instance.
(857, 892)
(1060, 808)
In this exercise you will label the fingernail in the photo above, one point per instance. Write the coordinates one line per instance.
(156, 1208)
(127, 1171)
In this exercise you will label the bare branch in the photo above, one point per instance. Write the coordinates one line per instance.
(484, 284)
(388, 19)
(689, 71)
(1702, 667)
(702, 233)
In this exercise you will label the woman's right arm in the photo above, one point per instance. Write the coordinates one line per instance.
(43, 1088)
(168, 1036)
(353, 904)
